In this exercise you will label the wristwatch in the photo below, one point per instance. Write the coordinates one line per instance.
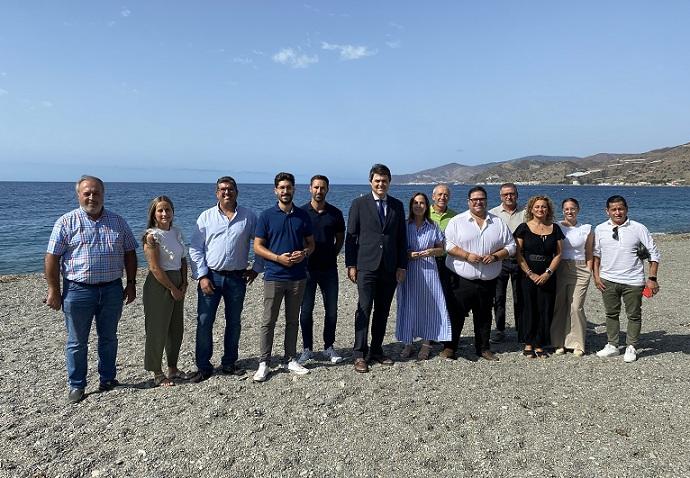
(549, 271)
(652, 278)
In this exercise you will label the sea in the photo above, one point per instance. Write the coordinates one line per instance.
(28, 210)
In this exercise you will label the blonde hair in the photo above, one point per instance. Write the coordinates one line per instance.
(530, 204)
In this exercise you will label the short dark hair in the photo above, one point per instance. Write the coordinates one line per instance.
(509, 185)
(226, 179)
(572, 200)
(284, 177)
(616, 198)
(475, 189)
(380, 169)
(427, 213)
(320, 177)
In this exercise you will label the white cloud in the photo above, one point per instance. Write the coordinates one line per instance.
(349, 52)
(258, 52)
(4, 92)
(47, 104)
(396, 25)
(125, 12)
(394, 43)
(294, 59)
(242, 60)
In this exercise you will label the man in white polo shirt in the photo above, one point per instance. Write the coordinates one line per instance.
(477, 242)
(620, 247)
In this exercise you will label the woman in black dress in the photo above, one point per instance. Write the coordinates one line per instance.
(539, 245)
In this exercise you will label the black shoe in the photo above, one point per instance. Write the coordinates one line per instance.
(75, 395)
(108, 385)
(232, 370)
(497, 337)
(200, 376)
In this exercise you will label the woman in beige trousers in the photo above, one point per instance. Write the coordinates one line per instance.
(569, 321)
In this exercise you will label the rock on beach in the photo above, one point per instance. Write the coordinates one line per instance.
(549, 418)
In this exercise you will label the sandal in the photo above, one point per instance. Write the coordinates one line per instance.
(180, 375)
(529, 353)
(424, 352)
(541, 354)
(160, 380)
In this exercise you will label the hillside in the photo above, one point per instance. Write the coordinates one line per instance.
(669, 165)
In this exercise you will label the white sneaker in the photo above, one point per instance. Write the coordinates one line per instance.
(306, 356)
(559, 351)
(332, 355)
(630, 354)
(608, 351)
(262, 373)
(295, 367)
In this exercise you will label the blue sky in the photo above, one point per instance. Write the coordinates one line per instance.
(187, 91)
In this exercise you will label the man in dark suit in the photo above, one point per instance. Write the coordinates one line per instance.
(376, 260)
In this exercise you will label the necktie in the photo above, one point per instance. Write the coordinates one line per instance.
(382, 211)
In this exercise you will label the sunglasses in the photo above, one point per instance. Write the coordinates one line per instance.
(615, 233)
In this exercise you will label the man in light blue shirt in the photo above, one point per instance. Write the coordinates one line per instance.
(219, 254)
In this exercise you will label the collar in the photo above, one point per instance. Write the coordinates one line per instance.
(84, 215)
(277, 208)
(376, 198)
(517, 209)
(470, 217)
(625, 224)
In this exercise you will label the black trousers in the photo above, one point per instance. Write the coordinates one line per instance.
(376, 290)
(444, 275)
(510, 272)
(476, 296)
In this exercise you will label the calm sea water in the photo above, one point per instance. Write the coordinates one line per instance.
(28, 210)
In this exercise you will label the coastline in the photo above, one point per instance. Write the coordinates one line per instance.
(517, 417)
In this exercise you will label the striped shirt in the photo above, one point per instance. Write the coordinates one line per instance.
(464, 232)
(91, 251)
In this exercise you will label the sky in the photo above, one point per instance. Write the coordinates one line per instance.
(171, 91)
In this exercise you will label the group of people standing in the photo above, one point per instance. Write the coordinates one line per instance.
(443, 266)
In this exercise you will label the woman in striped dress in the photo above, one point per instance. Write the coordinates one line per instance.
(422, 309)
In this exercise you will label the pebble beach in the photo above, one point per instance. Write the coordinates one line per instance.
(560, 417)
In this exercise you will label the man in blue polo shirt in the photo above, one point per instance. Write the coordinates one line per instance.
(284, 239)
(329, 235)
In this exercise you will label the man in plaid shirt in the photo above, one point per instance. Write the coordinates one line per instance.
(90, 246)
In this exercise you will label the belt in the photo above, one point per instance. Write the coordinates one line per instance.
(537, 257)
(579, 262)
(97, 284)
(229, 273)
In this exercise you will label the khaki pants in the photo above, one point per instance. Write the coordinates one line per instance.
(569, 321)
(274, 292)
(632, 299)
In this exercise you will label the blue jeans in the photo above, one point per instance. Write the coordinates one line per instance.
(328, 283)
(232, 288)
(81, 303)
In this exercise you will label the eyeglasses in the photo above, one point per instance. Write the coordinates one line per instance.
(615, 233)
(476, 200)
(508, 194)
(226, 190)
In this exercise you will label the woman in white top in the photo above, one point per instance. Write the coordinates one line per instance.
(569, 322)
(164, 291)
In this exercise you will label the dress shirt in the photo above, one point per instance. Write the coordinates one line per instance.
(91, 251)
(512, 218)
(219, 243)
(464, 232)
(383, 198)
(619, 261)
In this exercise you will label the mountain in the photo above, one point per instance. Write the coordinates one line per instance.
(670, 165)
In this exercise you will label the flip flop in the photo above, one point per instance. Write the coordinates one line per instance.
(162, 381)
(180, 375)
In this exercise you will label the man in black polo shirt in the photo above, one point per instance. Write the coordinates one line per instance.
(329, 233)
(284, 239)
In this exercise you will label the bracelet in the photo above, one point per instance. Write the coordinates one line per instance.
(467, 256)
(549, 271)
(652, 278)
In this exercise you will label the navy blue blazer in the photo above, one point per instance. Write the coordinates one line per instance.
(370, 245)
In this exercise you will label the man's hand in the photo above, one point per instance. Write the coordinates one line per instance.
(599, 283)
(129, 294)
(53, 299)
(285, 259)
(653, 286)
(206, 286)
(352, 274)
(473, 258)
(249, 276)
(297, 256)
(489, 258)
(400, 275)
